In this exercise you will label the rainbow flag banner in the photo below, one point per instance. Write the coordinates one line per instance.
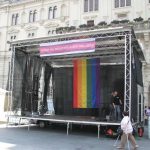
(86, 83)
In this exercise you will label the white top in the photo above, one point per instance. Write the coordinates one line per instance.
(126, 125)
(148, 112)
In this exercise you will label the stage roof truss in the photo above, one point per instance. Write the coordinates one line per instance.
(118, 41)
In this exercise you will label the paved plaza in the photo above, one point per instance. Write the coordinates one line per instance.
(19, 138)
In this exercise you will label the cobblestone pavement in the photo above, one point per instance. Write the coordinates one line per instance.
(19, 138)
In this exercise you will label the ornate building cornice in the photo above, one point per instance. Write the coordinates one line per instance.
(50, 24)
(31, 28)
(13, 30)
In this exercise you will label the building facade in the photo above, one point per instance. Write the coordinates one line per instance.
(29, 19)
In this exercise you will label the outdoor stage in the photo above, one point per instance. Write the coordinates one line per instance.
(68, 120)
(113, 63)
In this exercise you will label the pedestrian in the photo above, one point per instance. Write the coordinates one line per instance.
(148, 111)
(145, 109)
(127, 129)
(117, 106)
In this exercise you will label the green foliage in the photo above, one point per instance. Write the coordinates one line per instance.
(72, 28)
(102, 23)
(59, 30)
(124, 21)
(115, 22)
(139, 19)
(82, 26)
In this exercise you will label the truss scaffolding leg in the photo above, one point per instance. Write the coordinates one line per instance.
(127, 91)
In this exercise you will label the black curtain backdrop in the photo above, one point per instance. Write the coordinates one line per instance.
(112, 78)
(47, 75)
(137, 69)
(30, 74)
(18, 80)
(134, 99)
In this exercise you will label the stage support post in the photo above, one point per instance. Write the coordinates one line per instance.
(28, 124)
(67, 128)
(98, 131)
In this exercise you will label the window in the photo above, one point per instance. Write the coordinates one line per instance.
(13, 37)
(91, 5)
(96, 4)
(128, 2)
(122, 3)
(14, 19)
(31, 35)
(54, 12)
(50, 13)
(32, 16)
(53, 31)
(90, 23)
(116, 3)
(85, 5)
(50, 32)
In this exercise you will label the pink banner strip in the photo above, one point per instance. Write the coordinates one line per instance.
(67, 47)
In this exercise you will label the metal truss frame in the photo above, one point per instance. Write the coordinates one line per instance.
(126, 34)
(127, 93)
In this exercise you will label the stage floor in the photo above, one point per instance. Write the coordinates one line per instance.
(68, 120)
(71, 119)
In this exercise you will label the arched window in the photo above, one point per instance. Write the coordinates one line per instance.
(16, 19)
(29, 34)
(12, 19)
(49, 32)
(54, 12)
(31, 16)
(13, 37)
(50, 13)
(32, 34)
(34, 15)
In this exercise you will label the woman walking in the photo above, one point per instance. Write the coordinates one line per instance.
(127, 132)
